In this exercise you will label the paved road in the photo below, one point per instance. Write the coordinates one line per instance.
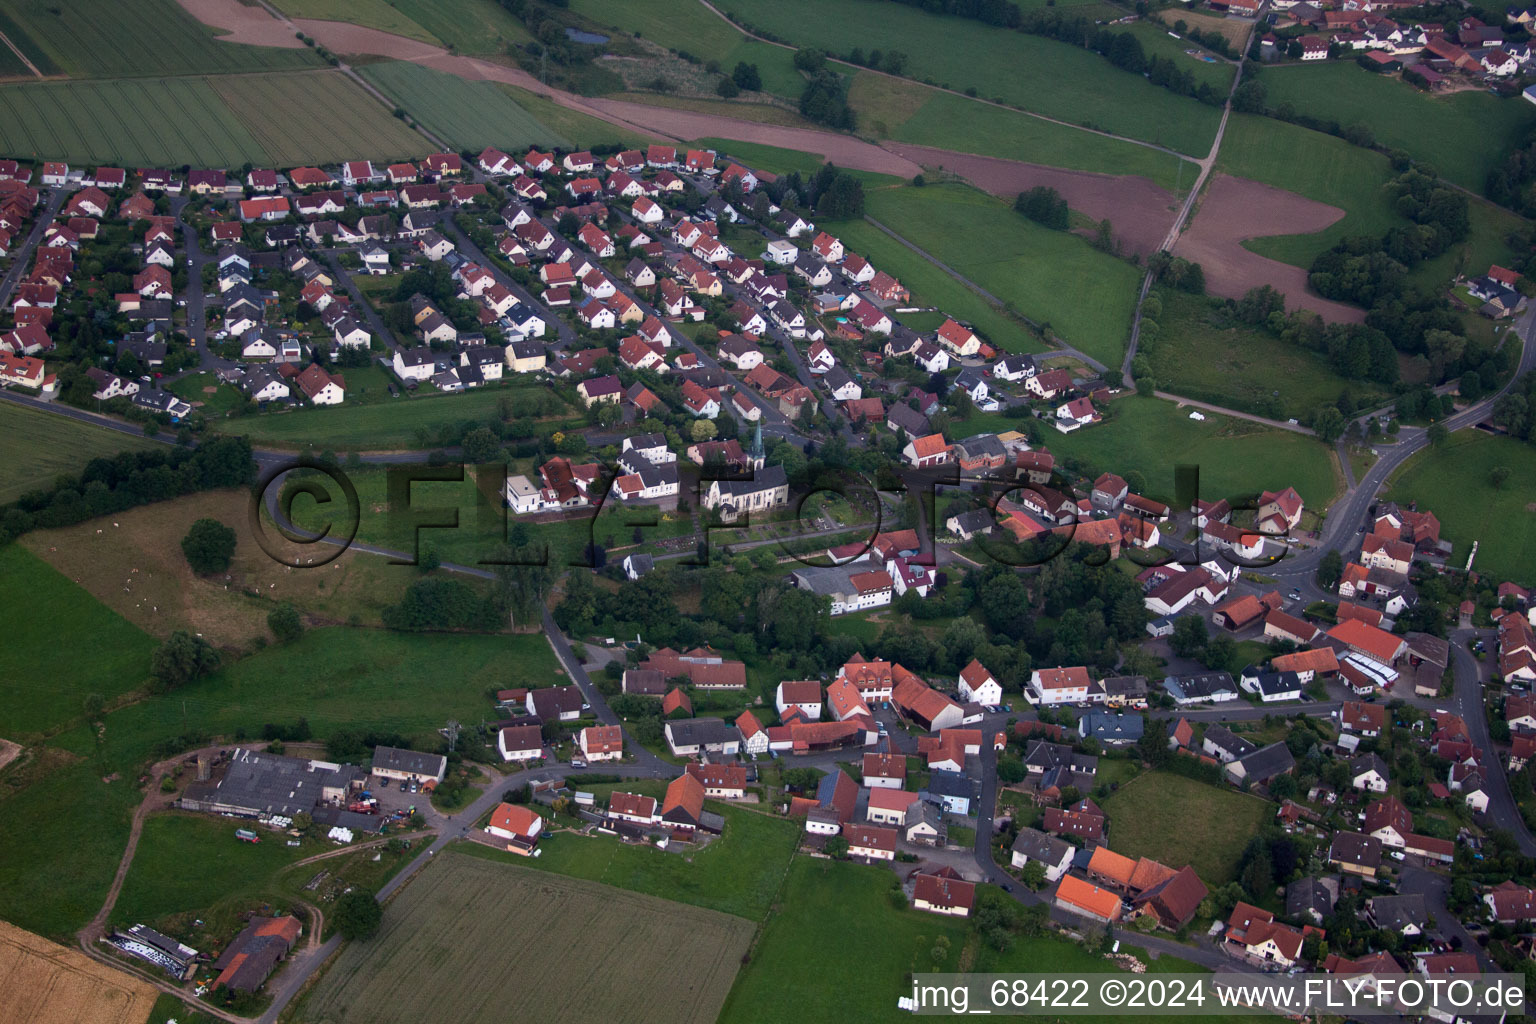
(21, 259)
(565, 335)
(192, 298)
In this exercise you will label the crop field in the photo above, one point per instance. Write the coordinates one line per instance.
(1454, 481)
(739, 873)
(1199, 355)
(469, 26)
(931, 286)
(108, 38)
(469, 115)
(40, 447)
(190, 862)
(50, 984)
(379, 14)
(1314, 165)
(1235, 456)
(443, 953)
(1464, 135)
(1176, 821)
(1050, 276)
(373, 679)
(316, 119)
(46, 680)
(125, 122)
(1034, 73)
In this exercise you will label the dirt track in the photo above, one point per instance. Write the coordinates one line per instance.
(1140, 210)
(1235, 209)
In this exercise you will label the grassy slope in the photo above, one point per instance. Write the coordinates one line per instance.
(1178, 821)
(1464, 134)
(1049, 276)
(467, 114)
(316, 119)
(686, 26)
(40, 447)
(1035, 73)
(1453, 482)
(580, 129)
(739, 873)
(1234, 456)
(1238, 367)
(45, 678)
(469, 26)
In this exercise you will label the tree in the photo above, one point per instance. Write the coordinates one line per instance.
(209, 546)
(1498, 477)
(1437, 434)
(746, 77)
(728, 88)
(182, 658)
(357, 915)
(1034, 875)
(836, 848)
(1329, 424)
(1330, 569)
(481, 445)
(285, 622)
(1189, 636)
(702, 429)
(1044, 205)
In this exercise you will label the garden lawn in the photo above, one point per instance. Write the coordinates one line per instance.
(947, 121)
(105, 38)
(65, 647)
(931, 286)
(1177, 821)
(1031, 72)
(188, 862)
(41, 446)
(1464, 135)
(371, 680)
(739, 873)
(1202, 353)
(469, 115)
(1314, 165)
(1453, 482)
(1235, 456)
(1054, 277)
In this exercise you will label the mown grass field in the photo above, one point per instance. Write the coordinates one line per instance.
(1454, 482)
(1464, 134)
(316, 119)
(126, 122)
(1317, 166)
(740, 873)
(584, 952)
(1234, 456)
(341, 678)
(1052, 277)
(947, 121)
(1031, 72)
(1176, 821)
(931, 286)
(1156, 42)
(45, 681)
(773, 159)
(40, 447)
(1197, 355)
(379, 14)
(108, 38)
(190, 862)
(469, 115)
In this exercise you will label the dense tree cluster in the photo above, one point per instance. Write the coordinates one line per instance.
(440, 603)
(1044, 205)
